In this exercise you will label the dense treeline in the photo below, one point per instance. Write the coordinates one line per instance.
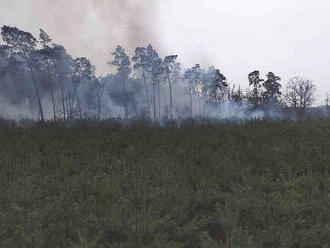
(267, 183)
(51, 84)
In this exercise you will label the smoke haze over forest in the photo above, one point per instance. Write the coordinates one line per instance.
(247, 41)
(287, 36)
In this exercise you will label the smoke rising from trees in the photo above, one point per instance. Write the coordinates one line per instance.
(98, 25)
(42, 75)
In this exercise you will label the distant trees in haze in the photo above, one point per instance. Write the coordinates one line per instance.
(192, 76)
(272, 86)
(22, 44)
(219, 86)
(255, 97)
(141, 63)
(58, 86)
(156, 69)
(122, 62)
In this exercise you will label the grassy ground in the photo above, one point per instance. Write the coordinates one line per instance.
(88, 186)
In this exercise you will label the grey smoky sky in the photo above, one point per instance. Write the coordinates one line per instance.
(288, 37)
(90, 28)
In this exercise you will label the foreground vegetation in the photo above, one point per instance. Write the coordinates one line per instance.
(267, 183)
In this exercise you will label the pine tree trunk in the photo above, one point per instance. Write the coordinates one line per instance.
(59, 78)
(53, 101)
(35, 87)
(135, 108)
(99, 109)
(159, 102)
(147, 94)
(199, 104)
(63, 101)
(190, 97)
(67, 107)
(125, 97)
(154, 98)
(38, 95)
(79, 108)
(51, 91)
(171, 98)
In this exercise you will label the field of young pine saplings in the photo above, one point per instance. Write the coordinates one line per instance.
(96, 185)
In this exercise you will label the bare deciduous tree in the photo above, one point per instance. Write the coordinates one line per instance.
(299, 93)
